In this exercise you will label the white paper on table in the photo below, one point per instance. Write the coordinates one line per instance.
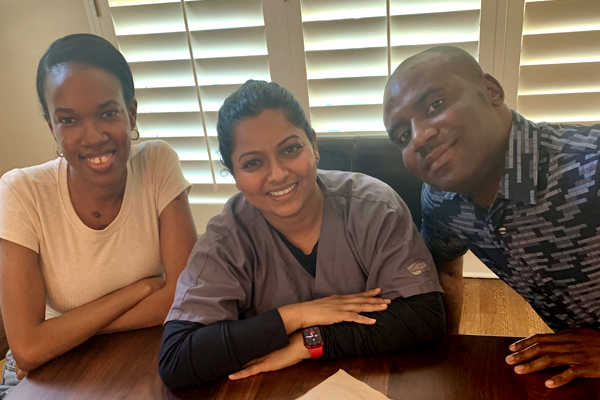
(341, 385)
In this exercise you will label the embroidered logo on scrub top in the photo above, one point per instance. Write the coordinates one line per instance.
(418, 268)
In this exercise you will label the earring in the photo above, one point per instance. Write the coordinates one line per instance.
(136, 130)
(57, 151)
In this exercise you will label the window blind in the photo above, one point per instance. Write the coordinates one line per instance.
(560, 61)
(349, 53)
(228, 44)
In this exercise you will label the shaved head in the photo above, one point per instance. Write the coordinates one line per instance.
(451, 59)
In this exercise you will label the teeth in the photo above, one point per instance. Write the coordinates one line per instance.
(99, 160)
(282, 192)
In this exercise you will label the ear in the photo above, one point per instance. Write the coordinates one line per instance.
(49, 122)
(132, 111)
(315, 148)
(493, 91)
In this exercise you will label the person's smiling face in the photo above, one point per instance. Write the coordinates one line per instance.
(444, 122)
(90, 121)
(275, 165)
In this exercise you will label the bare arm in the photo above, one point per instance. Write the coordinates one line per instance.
(177, 238)
(32, 339)
(451, 279)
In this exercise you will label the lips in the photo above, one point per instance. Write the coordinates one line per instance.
(283, 191)
(438, 157)
(100, 161)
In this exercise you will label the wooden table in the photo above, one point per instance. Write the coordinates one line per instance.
(124, 366)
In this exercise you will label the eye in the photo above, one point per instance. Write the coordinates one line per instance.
(434, 106)
(403, 139)
(110, 113)
(252, 164)
(292, 149)
(66, 120)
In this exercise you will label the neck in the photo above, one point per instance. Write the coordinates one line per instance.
(307, 222)
(80, 188)
(485, 189)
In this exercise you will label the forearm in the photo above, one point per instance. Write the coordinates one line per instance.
(53, 337)
(452, 283)
(405, 324)
(151, 311)
(192, 353)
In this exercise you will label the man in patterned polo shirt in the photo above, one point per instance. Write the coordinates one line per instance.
(523, 197)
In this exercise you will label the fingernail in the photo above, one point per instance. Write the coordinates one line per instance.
(512, 347)
(510, 359)
(550, 383)
(519, 368)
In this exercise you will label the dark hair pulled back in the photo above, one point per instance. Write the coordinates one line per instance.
(250, 100)
(85, 49)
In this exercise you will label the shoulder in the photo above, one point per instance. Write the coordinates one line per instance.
(32, 178)
(152, 150)
(358, 188)
(569, 138)
(237, 219)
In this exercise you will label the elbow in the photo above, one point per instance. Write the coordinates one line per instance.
(168, 375)
(175, 365)
(27, 356)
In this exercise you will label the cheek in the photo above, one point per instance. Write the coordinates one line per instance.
(410, 162)
(248, 183)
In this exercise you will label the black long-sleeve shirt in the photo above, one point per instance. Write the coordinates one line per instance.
(192, 353)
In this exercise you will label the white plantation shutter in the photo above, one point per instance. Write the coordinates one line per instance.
(229, 46)
(347, 47)
(336, 56)
(560, 61)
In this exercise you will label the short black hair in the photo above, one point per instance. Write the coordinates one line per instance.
(85, 49)
(250, 100)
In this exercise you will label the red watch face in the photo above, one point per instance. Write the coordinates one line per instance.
(312, 337)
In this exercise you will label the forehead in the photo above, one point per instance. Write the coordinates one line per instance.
(265, 130)
(82, 82)
(415, 78)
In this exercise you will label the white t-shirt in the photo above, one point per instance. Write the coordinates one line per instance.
(80, 264)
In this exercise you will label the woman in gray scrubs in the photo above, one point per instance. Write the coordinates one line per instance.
(301, 263)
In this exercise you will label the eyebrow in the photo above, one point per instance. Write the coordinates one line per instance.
(108, 103)
(417, 104)
(247, 153)
(70, 110)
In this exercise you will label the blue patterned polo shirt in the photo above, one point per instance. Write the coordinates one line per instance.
(542, 233)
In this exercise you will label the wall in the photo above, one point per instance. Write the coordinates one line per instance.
(27, 28)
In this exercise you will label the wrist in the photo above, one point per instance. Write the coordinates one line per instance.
(292, 318)
(297, 340)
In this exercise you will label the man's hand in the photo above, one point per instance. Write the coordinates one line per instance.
(290, 355)
(577, 348)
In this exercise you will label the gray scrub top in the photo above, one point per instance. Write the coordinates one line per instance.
(240, 267)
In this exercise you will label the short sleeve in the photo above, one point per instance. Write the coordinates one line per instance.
(400, 265)
(169, 181)
(443, 243)
(19, 221)
(217, 281)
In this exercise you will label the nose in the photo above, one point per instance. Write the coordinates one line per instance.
(93, 135)
(423, 134)
(278, 172)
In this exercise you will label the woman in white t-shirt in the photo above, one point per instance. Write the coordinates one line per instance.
(93, 241)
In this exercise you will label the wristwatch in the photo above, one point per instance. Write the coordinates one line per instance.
(313, 341)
